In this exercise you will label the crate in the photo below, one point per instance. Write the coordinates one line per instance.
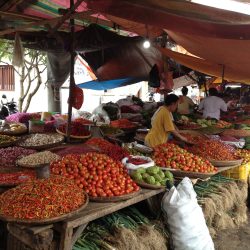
(239, 173)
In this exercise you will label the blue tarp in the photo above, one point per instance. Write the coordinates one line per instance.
(110, 84)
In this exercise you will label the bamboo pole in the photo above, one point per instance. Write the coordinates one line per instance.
(72, 63)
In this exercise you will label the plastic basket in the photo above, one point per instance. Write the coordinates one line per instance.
(239, 173)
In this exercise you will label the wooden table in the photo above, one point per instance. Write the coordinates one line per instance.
(70, 229)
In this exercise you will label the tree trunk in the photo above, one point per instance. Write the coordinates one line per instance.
(21, 99)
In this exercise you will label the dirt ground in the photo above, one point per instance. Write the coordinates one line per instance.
(234, 238)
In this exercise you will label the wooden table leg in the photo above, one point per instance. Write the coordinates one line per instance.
(77, 233)
(66, 238)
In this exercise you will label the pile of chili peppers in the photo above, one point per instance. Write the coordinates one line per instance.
(214, 150)
(114, 151)
(16, 178)
(42, 199)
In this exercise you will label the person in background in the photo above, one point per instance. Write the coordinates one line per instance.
(162, 123)
(185, 103)
(213, 105)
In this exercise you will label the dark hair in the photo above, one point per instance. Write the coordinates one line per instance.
(213, 92)
(170, 99)
(184, 90)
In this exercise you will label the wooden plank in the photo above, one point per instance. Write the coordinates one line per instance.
(10, 4)
(66, 238)
(96, 210)
(39, 241)
(77, 234)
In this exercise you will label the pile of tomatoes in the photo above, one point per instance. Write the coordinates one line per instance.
(214, 150)
(98, 174)
(172, 156)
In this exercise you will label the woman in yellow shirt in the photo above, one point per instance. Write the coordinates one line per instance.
(162, 123)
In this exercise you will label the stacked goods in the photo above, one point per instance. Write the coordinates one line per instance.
(13, 128)
(40, 158)
(153, 176)
(16, 178)
(172, 156)
(9, 155)
(98, 174)
(223, 124)
(42, 199)
(125, 229)
(223, 202)
(5, 139)
(211, 130)
(238, 133)
(77, 129)
(23, 117)
(83, 121)
(39, 140)
(214, 150)
(122, 124)
(114, 151)
(110, 131)
(244, 154)
(193, 138)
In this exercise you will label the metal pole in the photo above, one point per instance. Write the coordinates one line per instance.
(72, 63)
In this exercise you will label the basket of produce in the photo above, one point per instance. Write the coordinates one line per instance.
(13, 129)
(217, 152)
(51, 201)
(211, 130)
(171, 156)
(9, 155)
(238, 133)
(133, 162)
(193, 136)
(110, 131)
(103, 178)
(41, 141)
(125, 125)
(16, 178)
(78, 130)
(112, 150)
(230, 140)
(37, 160)
(7, 140)
(142, 148)
(152, 177)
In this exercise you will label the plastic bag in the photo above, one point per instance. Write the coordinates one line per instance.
(131, 166)
(185, 218)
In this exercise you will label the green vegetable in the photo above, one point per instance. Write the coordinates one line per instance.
(169, 175)
(157, 183)
(141, 170)
(157, 177)
(150, 180)
(136, 176)
(153, 170)
(161, 174)
(145, 175)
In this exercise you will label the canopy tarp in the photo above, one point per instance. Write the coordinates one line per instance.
(110, 84)
(233, 54)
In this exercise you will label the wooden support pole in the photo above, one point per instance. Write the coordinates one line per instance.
(72, 63)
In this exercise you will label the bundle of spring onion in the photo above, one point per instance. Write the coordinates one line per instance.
(210, 186)
(93, 237)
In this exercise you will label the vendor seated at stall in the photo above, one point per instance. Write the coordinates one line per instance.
(212, 105)
(185, 103)
(162, 123)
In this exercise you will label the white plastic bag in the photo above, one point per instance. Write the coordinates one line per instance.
(185, 218)
(131, 166)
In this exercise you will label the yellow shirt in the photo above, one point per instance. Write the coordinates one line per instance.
(184, 105)
(162, 125)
